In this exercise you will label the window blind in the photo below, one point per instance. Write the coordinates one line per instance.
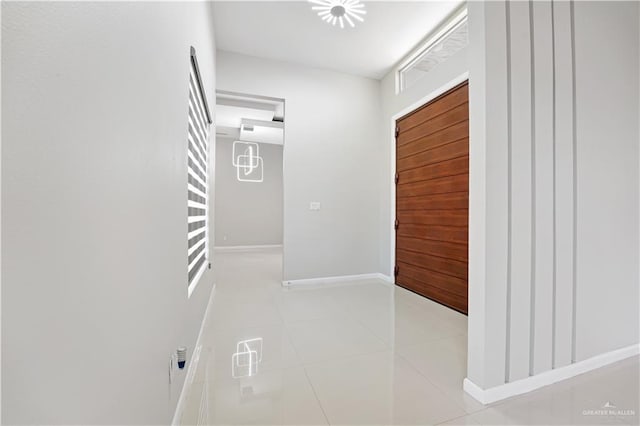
(197, 176)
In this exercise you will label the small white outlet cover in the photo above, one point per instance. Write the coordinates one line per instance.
(314, 205)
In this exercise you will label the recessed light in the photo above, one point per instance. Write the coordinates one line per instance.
(338, 11)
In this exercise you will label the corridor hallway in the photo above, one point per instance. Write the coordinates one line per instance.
(362, 352)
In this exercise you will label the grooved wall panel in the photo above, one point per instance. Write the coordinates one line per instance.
(521, 186)
(541, 321)
(564, 154)
(554, 170)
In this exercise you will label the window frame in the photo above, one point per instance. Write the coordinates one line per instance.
(445, 29)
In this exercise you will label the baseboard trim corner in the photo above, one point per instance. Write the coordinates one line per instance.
(475, 391)
(519, 387)
(337, 279)
(386, 278)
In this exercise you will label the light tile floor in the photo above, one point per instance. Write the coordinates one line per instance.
(360, 353)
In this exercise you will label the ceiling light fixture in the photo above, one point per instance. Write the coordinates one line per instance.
(337, 11)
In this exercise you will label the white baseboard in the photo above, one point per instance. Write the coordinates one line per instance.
(337, 279)
(229, 249)
(193, 365)
(487, 396)
(386, 278)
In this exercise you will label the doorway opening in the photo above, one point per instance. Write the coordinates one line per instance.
(249, 193)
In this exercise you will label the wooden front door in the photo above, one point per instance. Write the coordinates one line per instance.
(432, 199)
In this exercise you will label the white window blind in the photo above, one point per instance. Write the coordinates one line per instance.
(198, 176)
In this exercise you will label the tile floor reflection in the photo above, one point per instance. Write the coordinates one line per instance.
(362, 353)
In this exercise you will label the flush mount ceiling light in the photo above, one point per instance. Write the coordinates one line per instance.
(338, 11)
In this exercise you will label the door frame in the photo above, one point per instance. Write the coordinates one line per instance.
(284, 145)
(392, 133)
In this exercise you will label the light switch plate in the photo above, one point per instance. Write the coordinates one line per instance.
(314, 205)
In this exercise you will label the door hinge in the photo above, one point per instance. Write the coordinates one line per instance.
(397, 132)
(396, 269)
(396, 224)
(397, 178)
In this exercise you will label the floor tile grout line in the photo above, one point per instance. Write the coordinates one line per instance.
(437, 386)
(304, 364)
(342, 358)
(351, 317)
(306, 373)
(428, 342)
(456, 418)
(295, 349)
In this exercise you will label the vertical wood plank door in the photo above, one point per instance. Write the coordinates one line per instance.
(432, 199)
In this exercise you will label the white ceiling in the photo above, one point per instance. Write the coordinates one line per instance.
(291, 31)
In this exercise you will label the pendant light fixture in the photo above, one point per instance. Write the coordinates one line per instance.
(338, 11)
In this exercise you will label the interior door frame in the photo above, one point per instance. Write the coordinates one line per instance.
(392, 134)
(284, 145)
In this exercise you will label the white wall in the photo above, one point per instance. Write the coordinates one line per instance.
(402, 103)
(248, 213)
(332, 154)
(607, 173)
(554, 185)
(94, 194)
